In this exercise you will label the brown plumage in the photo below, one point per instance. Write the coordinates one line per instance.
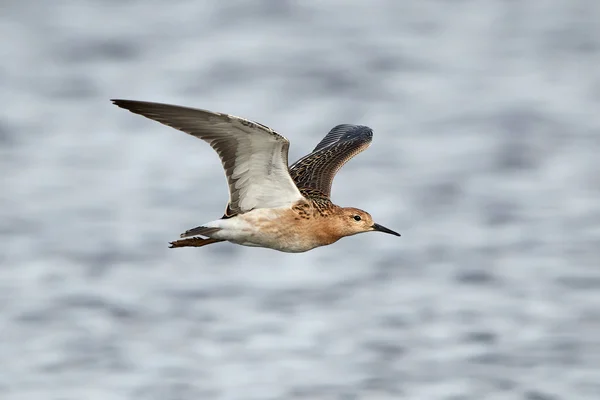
(314, 173)
(270, 204)
(193, 242)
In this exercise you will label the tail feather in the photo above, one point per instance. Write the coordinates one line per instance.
(199, 231)
(193, 242)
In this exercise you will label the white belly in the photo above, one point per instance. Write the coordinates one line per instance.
(270, 228)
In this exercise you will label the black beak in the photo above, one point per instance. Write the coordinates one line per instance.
(380, 228)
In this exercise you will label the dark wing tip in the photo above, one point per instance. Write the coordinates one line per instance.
(344, 132)
(358, 131)
(128, 104)
(118, 101)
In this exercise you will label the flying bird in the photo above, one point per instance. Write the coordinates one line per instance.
(271, 204)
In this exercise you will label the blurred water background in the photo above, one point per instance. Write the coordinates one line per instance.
(486, 157)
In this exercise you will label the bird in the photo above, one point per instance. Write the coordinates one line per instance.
(271, 204)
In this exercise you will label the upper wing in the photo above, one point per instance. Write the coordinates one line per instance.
(255, 157)
(317, 169)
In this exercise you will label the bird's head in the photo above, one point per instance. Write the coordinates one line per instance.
(351, 221)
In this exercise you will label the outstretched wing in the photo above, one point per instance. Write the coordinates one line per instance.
(255, 157)
(317, 169)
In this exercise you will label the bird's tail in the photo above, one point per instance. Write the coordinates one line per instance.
(193, 242)
(199, 231)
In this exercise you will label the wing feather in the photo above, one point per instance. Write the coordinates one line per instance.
(255, 157)
(316, 170)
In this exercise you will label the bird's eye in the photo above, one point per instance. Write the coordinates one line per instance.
(357, 217)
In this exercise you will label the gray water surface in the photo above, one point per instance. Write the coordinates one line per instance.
(486, 157)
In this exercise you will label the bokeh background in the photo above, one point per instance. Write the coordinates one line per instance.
(486, 157)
